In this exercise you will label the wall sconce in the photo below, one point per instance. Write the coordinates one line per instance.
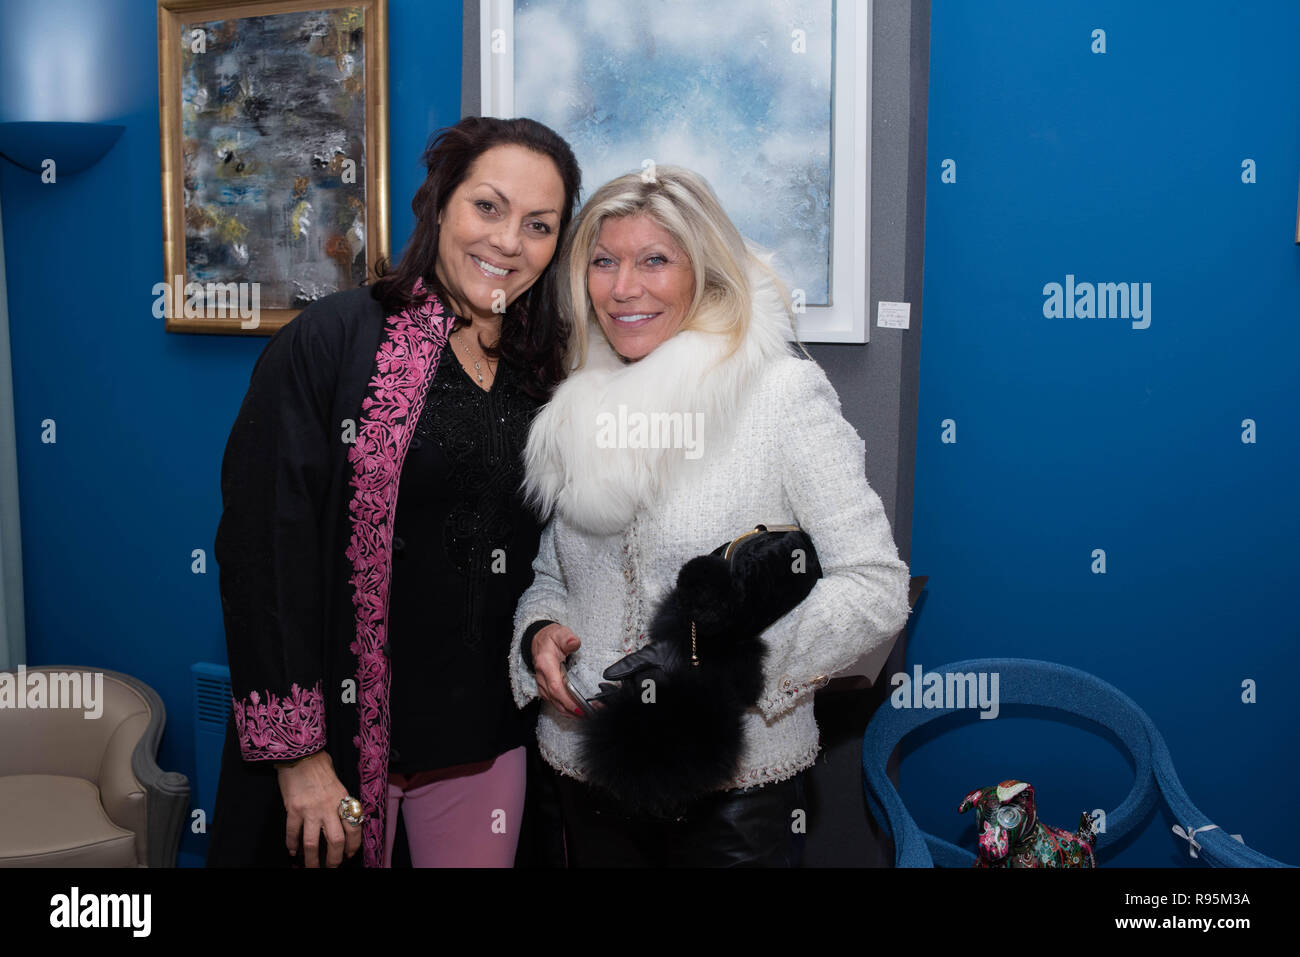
(73, 146)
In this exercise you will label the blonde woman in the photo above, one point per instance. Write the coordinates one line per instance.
(674, 314)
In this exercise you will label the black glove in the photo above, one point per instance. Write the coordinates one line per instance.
(704, 595)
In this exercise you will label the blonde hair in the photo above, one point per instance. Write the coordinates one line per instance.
(684, 205)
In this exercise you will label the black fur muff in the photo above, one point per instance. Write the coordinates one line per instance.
(671, 732)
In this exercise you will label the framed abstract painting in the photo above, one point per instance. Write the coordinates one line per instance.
(769, 100)
(274, 127)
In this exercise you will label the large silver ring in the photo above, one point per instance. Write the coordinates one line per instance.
(351, 811)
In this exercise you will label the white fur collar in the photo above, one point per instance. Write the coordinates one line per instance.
(571, 466)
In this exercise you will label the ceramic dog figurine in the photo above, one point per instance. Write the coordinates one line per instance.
(1012, 836)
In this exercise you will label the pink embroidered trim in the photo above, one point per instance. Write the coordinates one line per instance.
(281, 728)
(394, 398)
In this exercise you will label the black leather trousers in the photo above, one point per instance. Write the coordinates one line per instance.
(753, 827)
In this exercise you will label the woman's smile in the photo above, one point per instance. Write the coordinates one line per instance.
(491, 270)
(629, 320)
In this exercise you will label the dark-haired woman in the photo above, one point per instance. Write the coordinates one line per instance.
(373, 545)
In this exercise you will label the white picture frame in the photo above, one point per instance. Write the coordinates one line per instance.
(846, 318)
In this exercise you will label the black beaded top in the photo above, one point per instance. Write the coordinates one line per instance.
(463, 547)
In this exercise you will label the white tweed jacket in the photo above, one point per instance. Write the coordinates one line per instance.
(774, 449)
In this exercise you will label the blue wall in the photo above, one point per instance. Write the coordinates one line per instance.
(113, 509)
(1080, 434)
(1072, 434)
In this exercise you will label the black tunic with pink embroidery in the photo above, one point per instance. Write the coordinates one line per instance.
(373, 624)
(463, 548)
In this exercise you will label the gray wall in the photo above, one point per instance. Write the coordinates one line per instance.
(13, 638)
(877, 383)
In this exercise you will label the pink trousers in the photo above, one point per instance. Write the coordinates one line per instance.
(463, 816)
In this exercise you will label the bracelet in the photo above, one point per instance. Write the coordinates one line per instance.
(282, 765)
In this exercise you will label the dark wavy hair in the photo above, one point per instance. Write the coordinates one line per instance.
(536, 347)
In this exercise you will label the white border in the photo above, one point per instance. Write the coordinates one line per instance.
(496, 69)
(846, 320)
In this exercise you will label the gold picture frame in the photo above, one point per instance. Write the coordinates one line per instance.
(254, 232)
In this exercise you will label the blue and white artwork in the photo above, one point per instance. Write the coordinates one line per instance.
(738, 91)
